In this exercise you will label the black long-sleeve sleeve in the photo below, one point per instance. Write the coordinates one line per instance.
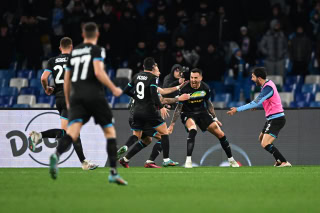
(128, 90)
(155, 96)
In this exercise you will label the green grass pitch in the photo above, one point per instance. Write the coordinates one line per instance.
(178, 190)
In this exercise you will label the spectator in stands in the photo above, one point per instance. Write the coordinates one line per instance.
(128, 35)
(238, 65)
(76, 16)
(212, 63)
(202, 35)
(276, 13)
(274, 47)
(162, 31)
(247, 45)
(57, 24)
(173, 79)
(222, 26)
(29, 47)
(314, 26)
(179, 59)
(162, 56)
(136, 59)
(300, 49)
(7, 47)
(299, 13)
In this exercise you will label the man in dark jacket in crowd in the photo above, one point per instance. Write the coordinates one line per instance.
(174, 78)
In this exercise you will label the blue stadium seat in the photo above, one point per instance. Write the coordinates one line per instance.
(7, 100)
(123, 99)
(39, 74)
(292, 88)
(35, 83)
(10, 91)
(46, 100)
(218, 87)
(315, 104)
(4, 82)
(305, 97)
(111, 73)
(7, 74)
(225, 97)
(29, 91)
(299, 104)
(29, 74)
(294, 79)
(235, 103)
(310, 88)
(21, 106)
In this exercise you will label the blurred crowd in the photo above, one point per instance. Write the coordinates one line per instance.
(222, 37)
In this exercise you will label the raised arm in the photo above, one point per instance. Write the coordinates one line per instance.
(266, 93)
(176, 114)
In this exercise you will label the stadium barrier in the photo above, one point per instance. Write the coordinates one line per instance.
(298, 141)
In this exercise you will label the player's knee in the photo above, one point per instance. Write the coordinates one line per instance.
(192, 133)
(146, 141)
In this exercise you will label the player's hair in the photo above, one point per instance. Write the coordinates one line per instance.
(197, 70)
(90, 30)
(260, 72)
(148, 63)
(65, 42)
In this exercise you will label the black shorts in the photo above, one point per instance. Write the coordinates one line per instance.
(203, 120)
(273, 127)
(62, 107)
(148, 131)
(142, 121)
(81, 109)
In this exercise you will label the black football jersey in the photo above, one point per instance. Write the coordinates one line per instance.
(142, 83)
(83, 80)
(56, 66)
(198, 97)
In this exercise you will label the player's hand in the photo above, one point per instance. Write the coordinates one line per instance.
(117, 91)
(232, 111)
(219, 123)
(164, 112)
(184, 97)
(183, 83)
(49, 90)
(170, 129)
(68, 105)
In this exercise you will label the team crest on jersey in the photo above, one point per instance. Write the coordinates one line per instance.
(198, 94)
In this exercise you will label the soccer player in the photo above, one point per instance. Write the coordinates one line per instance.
(56, 67)
(148, 133)
(270, 99)
(199, 111)
(83, 88)
(148, 110)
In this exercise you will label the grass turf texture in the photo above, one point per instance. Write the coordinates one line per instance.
(179, 190)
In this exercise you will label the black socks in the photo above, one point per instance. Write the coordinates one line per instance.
(112, 154)
(131, 140)
(225, 145)
(275, 152)
(156, 150)
(190, 141)
(165, 145)
(53, 133)
(63, 144)
(137, 148)
(78, 148)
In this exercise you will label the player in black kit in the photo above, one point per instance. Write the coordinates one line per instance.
(85, 78)
(199, 110)
(56, 66)
(148, 110)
